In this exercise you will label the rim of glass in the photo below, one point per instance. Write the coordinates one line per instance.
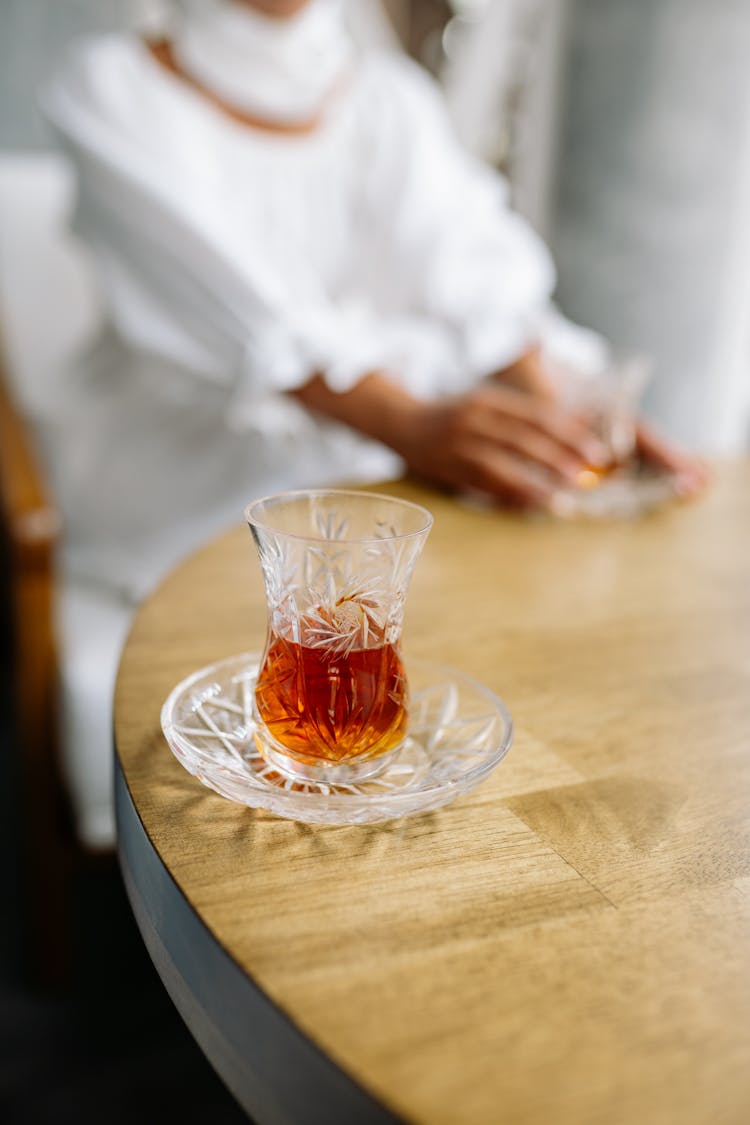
(350, 493)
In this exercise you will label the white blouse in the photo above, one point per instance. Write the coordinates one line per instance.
(235, 263)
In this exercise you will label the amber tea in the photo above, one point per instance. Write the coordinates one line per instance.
(591, 476)
(328, 706)
(608, 405)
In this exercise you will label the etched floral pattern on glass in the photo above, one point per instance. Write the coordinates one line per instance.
(332, 689)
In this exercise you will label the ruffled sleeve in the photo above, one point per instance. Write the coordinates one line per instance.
(460, 253)
(449, 284)
(180, 283)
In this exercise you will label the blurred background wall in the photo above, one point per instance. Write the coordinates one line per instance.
(625, 128)
(32, 34)
(652, 231)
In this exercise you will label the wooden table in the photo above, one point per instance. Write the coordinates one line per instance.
(570, 943)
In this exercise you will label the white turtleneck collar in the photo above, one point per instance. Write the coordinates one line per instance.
(278, 69)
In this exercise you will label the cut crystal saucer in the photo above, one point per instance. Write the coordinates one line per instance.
(625, 495)
(458, 732)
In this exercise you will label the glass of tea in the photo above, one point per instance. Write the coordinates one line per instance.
(332, 696)
(609, 404)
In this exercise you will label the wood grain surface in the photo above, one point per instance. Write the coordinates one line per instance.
(570, 942)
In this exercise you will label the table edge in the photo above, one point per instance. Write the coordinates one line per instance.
(275, 1071)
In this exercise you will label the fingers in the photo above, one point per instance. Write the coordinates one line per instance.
(692, 475)
(502, 442)
(475, 464)
(509, 478)
(656, 449)
(520, 449)
(532, 444)
(537, 429)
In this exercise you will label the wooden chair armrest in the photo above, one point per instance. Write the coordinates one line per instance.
(30, 519)
(29, 528)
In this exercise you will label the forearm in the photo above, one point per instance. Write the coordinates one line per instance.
(376, 406)
(382, 409)
(497, 439)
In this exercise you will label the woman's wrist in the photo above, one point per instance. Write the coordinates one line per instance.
(376, 406)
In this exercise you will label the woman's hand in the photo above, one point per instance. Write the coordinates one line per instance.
(501, 441)
(691, 474)
(531, 374)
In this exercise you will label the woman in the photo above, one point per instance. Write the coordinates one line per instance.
(308, 282)
(276, 215)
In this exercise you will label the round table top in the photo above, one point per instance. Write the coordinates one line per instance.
(569, 941)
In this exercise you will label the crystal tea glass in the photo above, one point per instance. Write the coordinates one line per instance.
(332, 695)
(608, 403)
